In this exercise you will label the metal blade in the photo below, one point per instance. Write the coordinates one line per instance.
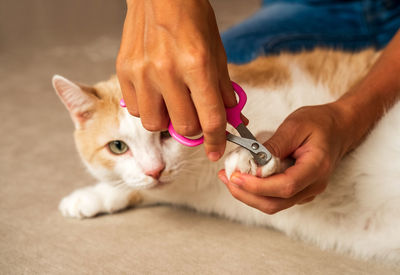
(260, 154)
(245, 132)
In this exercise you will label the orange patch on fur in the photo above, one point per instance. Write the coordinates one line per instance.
(135, 198)
(91, 138)
(338, 70)
(264, 71)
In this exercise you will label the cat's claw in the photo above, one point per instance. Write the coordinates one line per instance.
(241, 160)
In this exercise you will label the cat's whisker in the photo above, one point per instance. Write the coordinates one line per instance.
(120, 185)
(194, 152)
(116, 183)
(191, 162)
(190, 171)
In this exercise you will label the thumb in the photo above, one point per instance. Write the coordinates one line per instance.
(285, 140)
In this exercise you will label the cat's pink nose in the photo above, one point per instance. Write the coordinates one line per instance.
(156, 173)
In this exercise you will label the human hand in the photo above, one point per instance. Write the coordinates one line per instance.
(172, 64)
(316, 137)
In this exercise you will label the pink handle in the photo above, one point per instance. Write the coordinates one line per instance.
(184, 140)
(122, 103)
(232, 116)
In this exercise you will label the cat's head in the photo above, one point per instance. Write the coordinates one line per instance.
(113, 144)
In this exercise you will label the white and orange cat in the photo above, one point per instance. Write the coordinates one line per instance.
(358, 213)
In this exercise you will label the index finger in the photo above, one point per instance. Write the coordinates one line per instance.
(284, 185)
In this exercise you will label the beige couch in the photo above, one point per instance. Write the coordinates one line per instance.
(39, 165)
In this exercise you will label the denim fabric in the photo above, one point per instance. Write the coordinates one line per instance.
(294, 25)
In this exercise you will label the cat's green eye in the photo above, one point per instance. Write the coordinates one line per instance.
(118, 147)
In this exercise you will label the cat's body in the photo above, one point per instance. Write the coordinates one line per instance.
(357, 213)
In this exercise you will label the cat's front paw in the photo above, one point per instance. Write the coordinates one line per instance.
(241, 160)
(82, 203)
(101, 198)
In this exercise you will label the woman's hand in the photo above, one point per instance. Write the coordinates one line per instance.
(317, 137)
(172, 65)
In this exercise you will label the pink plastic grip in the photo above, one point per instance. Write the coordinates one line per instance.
(122, 103)
(184, 140)
(232, 116)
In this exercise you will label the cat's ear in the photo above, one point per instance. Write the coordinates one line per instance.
(80, 100)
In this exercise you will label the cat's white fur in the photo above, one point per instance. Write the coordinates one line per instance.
(358, 213)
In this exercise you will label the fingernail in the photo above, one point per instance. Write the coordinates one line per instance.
(237, 180)
(223, 179)
(214, 156)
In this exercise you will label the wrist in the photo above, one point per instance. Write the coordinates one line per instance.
(348, 131)
(358, 114)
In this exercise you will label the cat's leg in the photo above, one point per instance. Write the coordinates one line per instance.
(101, 198)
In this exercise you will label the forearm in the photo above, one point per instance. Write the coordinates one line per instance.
(367, 101)
(172, 68)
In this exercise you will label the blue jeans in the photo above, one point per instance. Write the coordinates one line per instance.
(294, 25)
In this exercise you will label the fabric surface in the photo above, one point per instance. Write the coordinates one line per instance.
(295, 25)
(39, 165)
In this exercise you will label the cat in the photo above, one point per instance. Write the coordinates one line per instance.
(358, 213)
